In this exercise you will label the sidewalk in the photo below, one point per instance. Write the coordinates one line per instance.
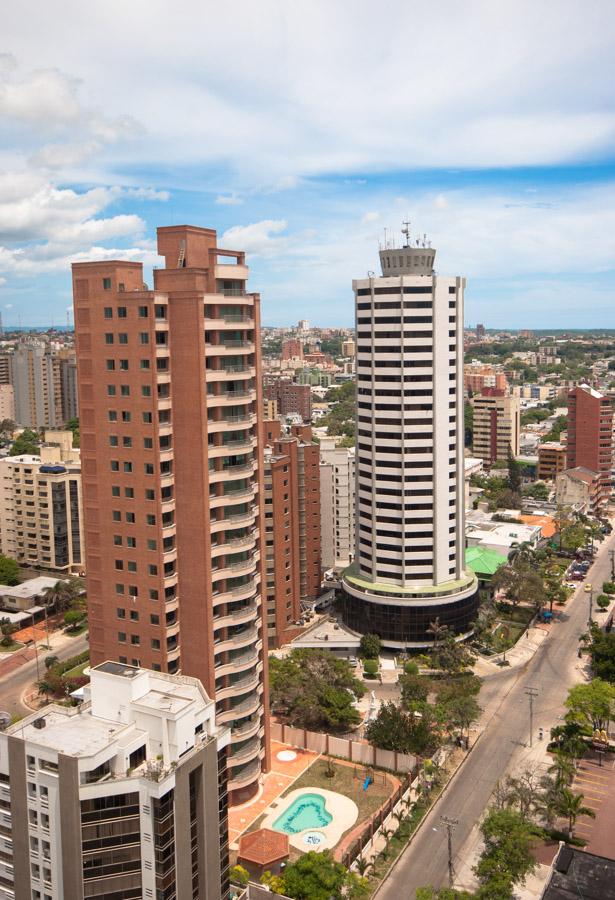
(18, 658)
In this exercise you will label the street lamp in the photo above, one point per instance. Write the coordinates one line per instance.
(589, 590)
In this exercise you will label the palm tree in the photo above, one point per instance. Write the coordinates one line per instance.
(363, 866)
(563, 769)
(387, 834)
(60, 596)
(438, 631)
(571, 806)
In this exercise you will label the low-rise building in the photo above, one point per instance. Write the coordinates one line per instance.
(581, 489)
(551, 460)
(122, 796)
(502, 537)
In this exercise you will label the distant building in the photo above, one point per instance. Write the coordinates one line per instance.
(6, 367)
(590, 436)
(480, 332)
(551, 460)
(7, 402)
(122, 796)
(478, 376)
(540, 392)
(496, 425)
(41, 510)
(348, 348)
(290, 397)
(270, 408)
(68, 386)
(337, 504)
(35, 372)
(292, 348)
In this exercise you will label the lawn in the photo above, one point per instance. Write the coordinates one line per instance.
(77, 671)
(514, 633)
(14, 645)
(522, 615)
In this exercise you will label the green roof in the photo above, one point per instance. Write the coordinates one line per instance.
(483, 561)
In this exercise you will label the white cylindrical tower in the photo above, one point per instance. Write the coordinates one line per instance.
(409, 563)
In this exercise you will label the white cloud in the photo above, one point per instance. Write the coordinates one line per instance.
(257, 238)
(3, 281)
(228, 200)
(370, 217)
(147, 194)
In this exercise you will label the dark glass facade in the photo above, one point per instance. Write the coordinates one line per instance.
(408, 623)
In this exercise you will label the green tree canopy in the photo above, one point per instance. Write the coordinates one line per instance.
(9, 571)
(315, 876)
(26, 442)
(314, 689)
(406, 732)
(370, 646)
(591, 704)
(506, 859)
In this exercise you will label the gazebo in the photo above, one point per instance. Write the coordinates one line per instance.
(263, 850)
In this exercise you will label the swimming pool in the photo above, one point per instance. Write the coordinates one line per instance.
(306, 811)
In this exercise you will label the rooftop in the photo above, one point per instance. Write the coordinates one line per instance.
(28, 589)
(578, 874)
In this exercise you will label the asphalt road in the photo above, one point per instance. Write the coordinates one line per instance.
(425, 860)
(13, 685)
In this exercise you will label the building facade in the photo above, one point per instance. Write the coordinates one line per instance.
(290, 397)
(41, 507)
(590, 436)
(170, 420)
(580, 489)
(409, 565)
(7, 402)
(122, 797)
(551, 460)
(337, 504)
(497, 425)
(35, 372)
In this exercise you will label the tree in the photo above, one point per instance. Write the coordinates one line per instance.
(602, 652)
(394, 729)
(51, 661)
(59, 596)
(9, 571)
(460, 711)
(506, 859)
(562, 768)
(73, 617)
(414, 689)
(430, 893)
(370, 646)
(314, 689)
(571, 807)
(239, 875)
(468, 424)
(73, 425)
(7, 427)
(26, 442)
(514, 473)
(590, 704)
(437, 631)
(315, 876)
(573, 537)
(451, 655)
(569, 739)
(520, 581)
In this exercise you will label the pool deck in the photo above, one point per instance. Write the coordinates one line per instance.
(343, 813)
(274, 783)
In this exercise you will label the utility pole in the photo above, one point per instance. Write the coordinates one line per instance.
(589, 590)
(531, 693)
(450, 827)
(612, 558)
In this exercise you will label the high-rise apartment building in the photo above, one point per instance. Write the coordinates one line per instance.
(6, 366)
(290, 397)
(41, 518)
(123, 796)
(35, 374)
(68, 385)
(410, 545)
(170, 412)
(590, 436)
(7, 402)
(337, 504)
(292, 510)
(292, 348)
(497, 425)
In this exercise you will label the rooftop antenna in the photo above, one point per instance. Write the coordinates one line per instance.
(385, 239)
(406, 231)
(424, 240)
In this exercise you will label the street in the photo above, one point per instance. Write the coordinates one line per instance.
(503, 697)
(13, 685)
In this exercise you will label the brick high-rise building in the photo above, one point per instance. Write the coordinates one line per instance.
(292, 348)
(170, 413)
(590, 435)
(290, 397)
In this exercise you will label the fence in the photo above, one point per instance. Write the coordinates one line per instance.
(380, 820)
(344, 747)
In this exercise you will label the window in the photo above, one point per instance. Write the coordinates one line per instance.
(135, 640)
(106, 284)
(121, 312)
(155, 644)
(153, 570)
(150, 520)
(154, 619)
(153, 594)
(146, 390)
(108, 310)
(108, 338)
(122, 337)
(119, 564)
(144, 363)
(151, 545)
(110, 365)
(128, 467)
(113, 440)
(134, 615)
(125, 390)
(130, 517)
(115, 466)
(131, 542)
(127, 442)
(149, 468)
(143, 312)
(131, 565)
(144, 337)
(121, 612)
(148, 443)
(117, 540)
(115, 490)
(121, 636)
(150, 495)
(147, 418)
(112, 415)
(116, 515)
(126, 417)
(124, 365)
(111, 390)
(129, 493)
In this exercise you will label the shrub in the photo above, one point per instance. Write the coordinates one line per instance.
(370, 646)
(370, 667)
(603, 601)
(609, 587)
(239, 875)
(411, 668)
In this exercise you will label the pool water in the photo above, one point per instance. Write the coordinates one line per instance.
(307, 811)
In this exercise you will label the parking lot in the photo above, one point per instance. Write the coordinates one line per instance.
(597, 784)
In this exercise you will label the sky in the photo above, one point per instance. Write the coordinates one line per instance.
(299, 131)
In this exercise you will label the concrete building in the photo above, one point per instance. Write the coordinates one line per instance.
(337, 504)
(581, 489)
(7, 402)
(590, 436)
(496, 425)
(270, 408)
(6, 367)
(35, 373)
(68, 385)
(409, 566)
(540, 392)
(170, 409)
(349, 348)
(477, 376)
(551, 460)
(41, 507)
(290, 397)
(122, 796)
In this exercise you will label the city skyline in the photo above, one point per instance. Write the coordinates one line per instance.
(304, 155)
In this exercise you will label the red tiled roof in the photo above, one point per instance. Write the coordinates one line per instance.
(263, 847)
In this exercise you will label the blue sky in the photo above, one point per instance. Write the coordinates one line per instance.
(300, 131)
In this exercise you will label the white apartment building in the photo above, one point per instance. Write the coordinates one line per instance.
(409, 566)
(41, 519)
(123, 796)
(337, 504)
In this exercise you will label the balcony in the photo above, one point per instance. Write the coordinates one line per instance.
(249, 683)
(243, 592)
(245, 776)
(246, 614)
(245, 542)
(243, 639)
(245, 567)
(248, 751)
(238, 445)
(241, 710)
(241, 662)
(229, 348)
